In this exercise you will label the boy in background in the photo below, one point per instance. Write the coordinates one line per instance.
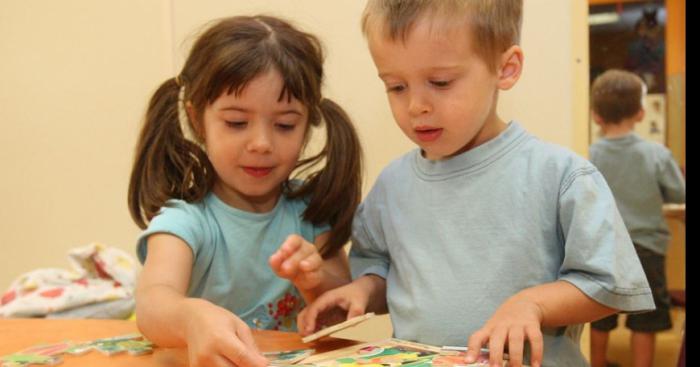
(484, 235)
(642, 176)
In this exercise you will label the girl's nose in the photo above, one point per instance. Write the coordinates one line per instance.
(260, 141)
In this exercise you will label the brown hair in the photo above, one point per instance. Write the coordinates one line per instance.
(617, 95)
(227, 56)
(495, 24)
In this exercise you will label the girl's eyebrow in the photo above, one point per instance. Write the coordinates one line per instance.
(245, 110)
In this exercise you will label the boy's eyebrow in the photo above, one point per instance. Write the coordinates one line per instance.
(430, 69)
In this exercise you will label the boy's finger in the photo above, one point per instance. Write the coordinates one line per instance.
(516, 340)
(497, 341)
(323, 303)
(534, 335)
(474, 344)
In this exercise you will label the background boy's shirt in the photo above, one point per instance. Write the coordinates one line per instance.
(642, 176)
(230, 250)
(455, 238)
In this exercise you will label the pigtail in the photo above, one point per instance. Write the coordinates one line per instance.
(335, 191)
(166, 164)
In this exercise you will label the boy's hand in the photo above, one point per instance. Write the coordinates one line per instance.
(334, 306)
(299, 261)
(216, 337)
(514, 322)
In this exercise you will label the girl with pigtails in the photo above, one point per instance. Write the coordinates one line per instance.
(241, 229)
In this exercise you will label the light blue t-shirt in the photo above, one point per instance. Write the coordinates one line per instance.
(642, 176)
(455, 238)
(230, 250)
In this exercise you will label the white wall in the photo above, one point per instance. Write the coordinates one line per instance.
(76, 75)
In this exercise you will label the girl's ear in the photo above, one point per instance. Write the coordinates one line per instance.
(192, 116)
(510, 67)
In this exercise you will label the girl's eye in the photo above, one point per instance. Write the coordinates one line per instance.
(285, 127)
(236, 124)
(440, 83)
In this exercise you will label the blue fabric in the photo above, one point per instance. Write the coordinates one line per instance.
(642, 176)
(231, 248)
(455, 238)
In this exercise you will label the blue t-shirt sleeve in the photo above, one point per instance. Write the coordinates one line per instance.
(178, 219)
(368, 253)
(671, 179)
(599, 256)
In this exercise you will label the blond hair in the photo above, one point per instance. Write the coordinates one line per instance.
(495, 24)
(617, 95)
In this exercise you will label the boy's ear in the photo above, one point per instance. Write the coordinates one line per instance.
(597, 119)
(510, 67)
(639, 116)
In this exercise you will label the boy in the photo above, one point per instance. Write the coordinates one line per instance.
(642, 176)
(483, 221)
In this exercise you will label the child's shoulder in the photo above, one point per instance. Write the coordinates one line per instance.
(551, 154)
(398, 166)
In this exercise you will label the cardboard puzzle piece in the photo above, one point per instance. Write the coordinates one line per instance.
(394, 353)
(50, 354)
(337, 327)
(287, 357)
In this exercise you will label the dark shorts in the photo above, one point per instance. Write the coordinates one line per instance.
(654, 266)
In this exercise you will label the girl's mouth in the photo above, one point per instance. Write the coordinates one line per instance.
(257, 171)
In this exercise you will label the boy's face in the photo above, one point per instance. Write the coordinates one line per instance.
(441, 93)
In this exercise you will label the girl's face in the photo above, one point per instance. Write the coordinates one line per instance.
(254, 140)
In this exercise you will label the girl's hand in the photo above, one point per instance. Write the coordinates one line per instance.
(514, 322)
(299, 261)
(216, 337)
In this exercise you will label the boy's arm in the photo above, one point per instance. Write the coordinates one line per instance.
(562, 303)
(521, 317)
(672, 181)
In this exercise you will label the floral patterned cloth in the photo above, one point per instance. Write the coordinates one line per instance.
(99, 274)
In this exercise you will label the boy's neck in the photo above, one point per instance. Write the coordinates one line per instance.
(621, 129)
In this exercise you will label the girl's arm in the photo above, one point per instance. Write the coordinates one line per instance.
(161, 288)
(212, 334)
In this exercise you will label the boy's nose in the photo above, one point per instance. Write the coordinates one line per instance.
(418, 104)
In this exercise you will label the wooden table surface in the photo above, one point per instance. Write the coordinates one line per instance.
(18, 334)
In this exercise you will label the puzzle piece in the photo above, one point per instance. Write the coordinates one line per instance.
(332, 329)
(287, 357)
(21, 360)
(133, 344)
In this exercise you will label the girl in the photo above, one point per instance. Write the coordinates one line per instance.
(226, 227)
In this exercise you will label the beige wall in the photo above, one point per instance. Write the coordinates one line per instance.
(76, 75)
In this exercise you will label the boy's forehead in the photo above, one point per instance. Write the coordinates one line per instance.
(426, 33)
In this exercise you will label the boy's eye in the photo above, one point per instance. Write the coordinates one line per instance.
(440, 83)
(395, 88)
(236, 124)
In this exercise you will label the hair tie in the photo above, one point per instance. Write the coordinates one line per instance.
(184, 121)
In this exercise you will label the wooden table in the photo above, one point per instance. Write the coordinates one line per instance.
(18, 334)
